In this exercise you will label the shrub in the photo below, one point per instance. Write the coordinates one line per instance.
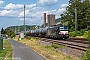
(55, 46)
(73, 34)
(87, 28)
(89, 37)
(78, 33)
(48, 46)
(85, 34)
(28, 37)
(86, 56)
(82, 31)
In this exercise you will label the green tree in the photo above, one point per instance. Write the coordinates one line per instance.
(2, 31)
(83, 14)
(10, 33)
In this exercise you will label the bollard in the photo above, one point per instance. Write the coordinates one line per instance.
(1, 43)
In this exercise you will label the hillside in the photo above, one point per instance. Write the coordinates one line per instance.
(29, 27)
(21, 28)
(58, 20)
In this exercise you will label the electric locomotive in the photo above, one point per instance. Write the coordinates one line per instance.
(58, 31)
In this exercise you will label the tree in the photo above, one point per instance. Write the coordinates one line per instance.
(10, 33)
(83, 14)
(2, 31)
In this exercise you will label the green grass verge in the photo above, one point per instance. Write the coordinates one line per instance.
(7, 52)
(86, 56)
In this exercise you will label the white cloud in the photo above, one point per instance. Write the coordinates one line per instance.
(36, 9)
(47, 2)
(64, 5)
(18, 6)
(34, 12)
(22, 13)
(13, 6)
(31, 5)
(1, 2)
(8, 13)
(61, 10)
(56, 12)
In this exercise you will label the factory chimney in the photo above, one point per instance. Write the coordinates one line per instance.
(44, 19)
(51, 19)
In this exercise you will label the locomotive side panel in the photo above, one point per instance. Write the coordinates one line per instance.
(52, 32)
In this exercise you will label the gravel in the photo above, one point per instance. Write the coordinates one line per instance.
(71, 52)
(66, 50)
(44, 43)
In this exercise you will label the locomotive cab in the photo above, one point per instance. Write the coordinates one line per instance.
(64, 32)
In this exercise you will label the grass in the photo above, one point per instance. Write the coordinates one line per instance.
(48, 52)
(7, 52)
(86, 56)
(89, 38)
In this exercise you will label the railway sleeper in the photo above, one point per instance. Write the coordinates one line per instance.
(74, 47)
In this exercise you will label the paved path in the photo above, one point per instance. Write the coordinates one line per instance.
(23, 52)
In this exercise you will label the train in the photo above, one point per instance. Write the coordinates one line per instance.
(55, 31)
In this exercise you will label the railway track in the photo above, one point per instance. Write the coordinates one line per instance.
(75, 43)
(78, 40)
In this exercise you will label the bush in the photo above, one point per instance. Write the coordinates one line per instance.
(87, 28)
(82, 31)
(73, 34)
(86, 56)
(89, 37)
(28, 37)
(48, 46)
(77, 33)
(55, 46)
(85, 34)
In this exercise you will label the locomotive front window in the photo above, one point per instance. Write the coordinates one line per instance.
(64, 28)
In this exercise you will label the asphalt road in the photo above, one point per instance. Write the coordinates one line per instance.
(22, 52)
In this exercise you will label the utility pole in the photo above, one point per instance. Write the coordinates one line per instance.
(76, 19)
(24, 20)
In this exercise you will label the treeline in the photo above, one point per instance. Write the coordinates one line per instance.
(83, 15)
(9, 32)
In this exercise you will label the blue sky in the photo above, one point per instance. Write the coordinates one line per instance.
(11, 11)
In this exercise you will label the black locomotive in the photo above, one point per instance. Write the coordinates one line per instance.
(55, 31)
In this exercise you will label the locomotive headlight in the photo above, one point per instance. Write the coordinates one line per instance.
(61, 33)
(66, 33)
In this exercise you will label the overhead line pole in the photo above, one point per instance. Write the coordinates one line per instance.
(24, 20)
(75, 18)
